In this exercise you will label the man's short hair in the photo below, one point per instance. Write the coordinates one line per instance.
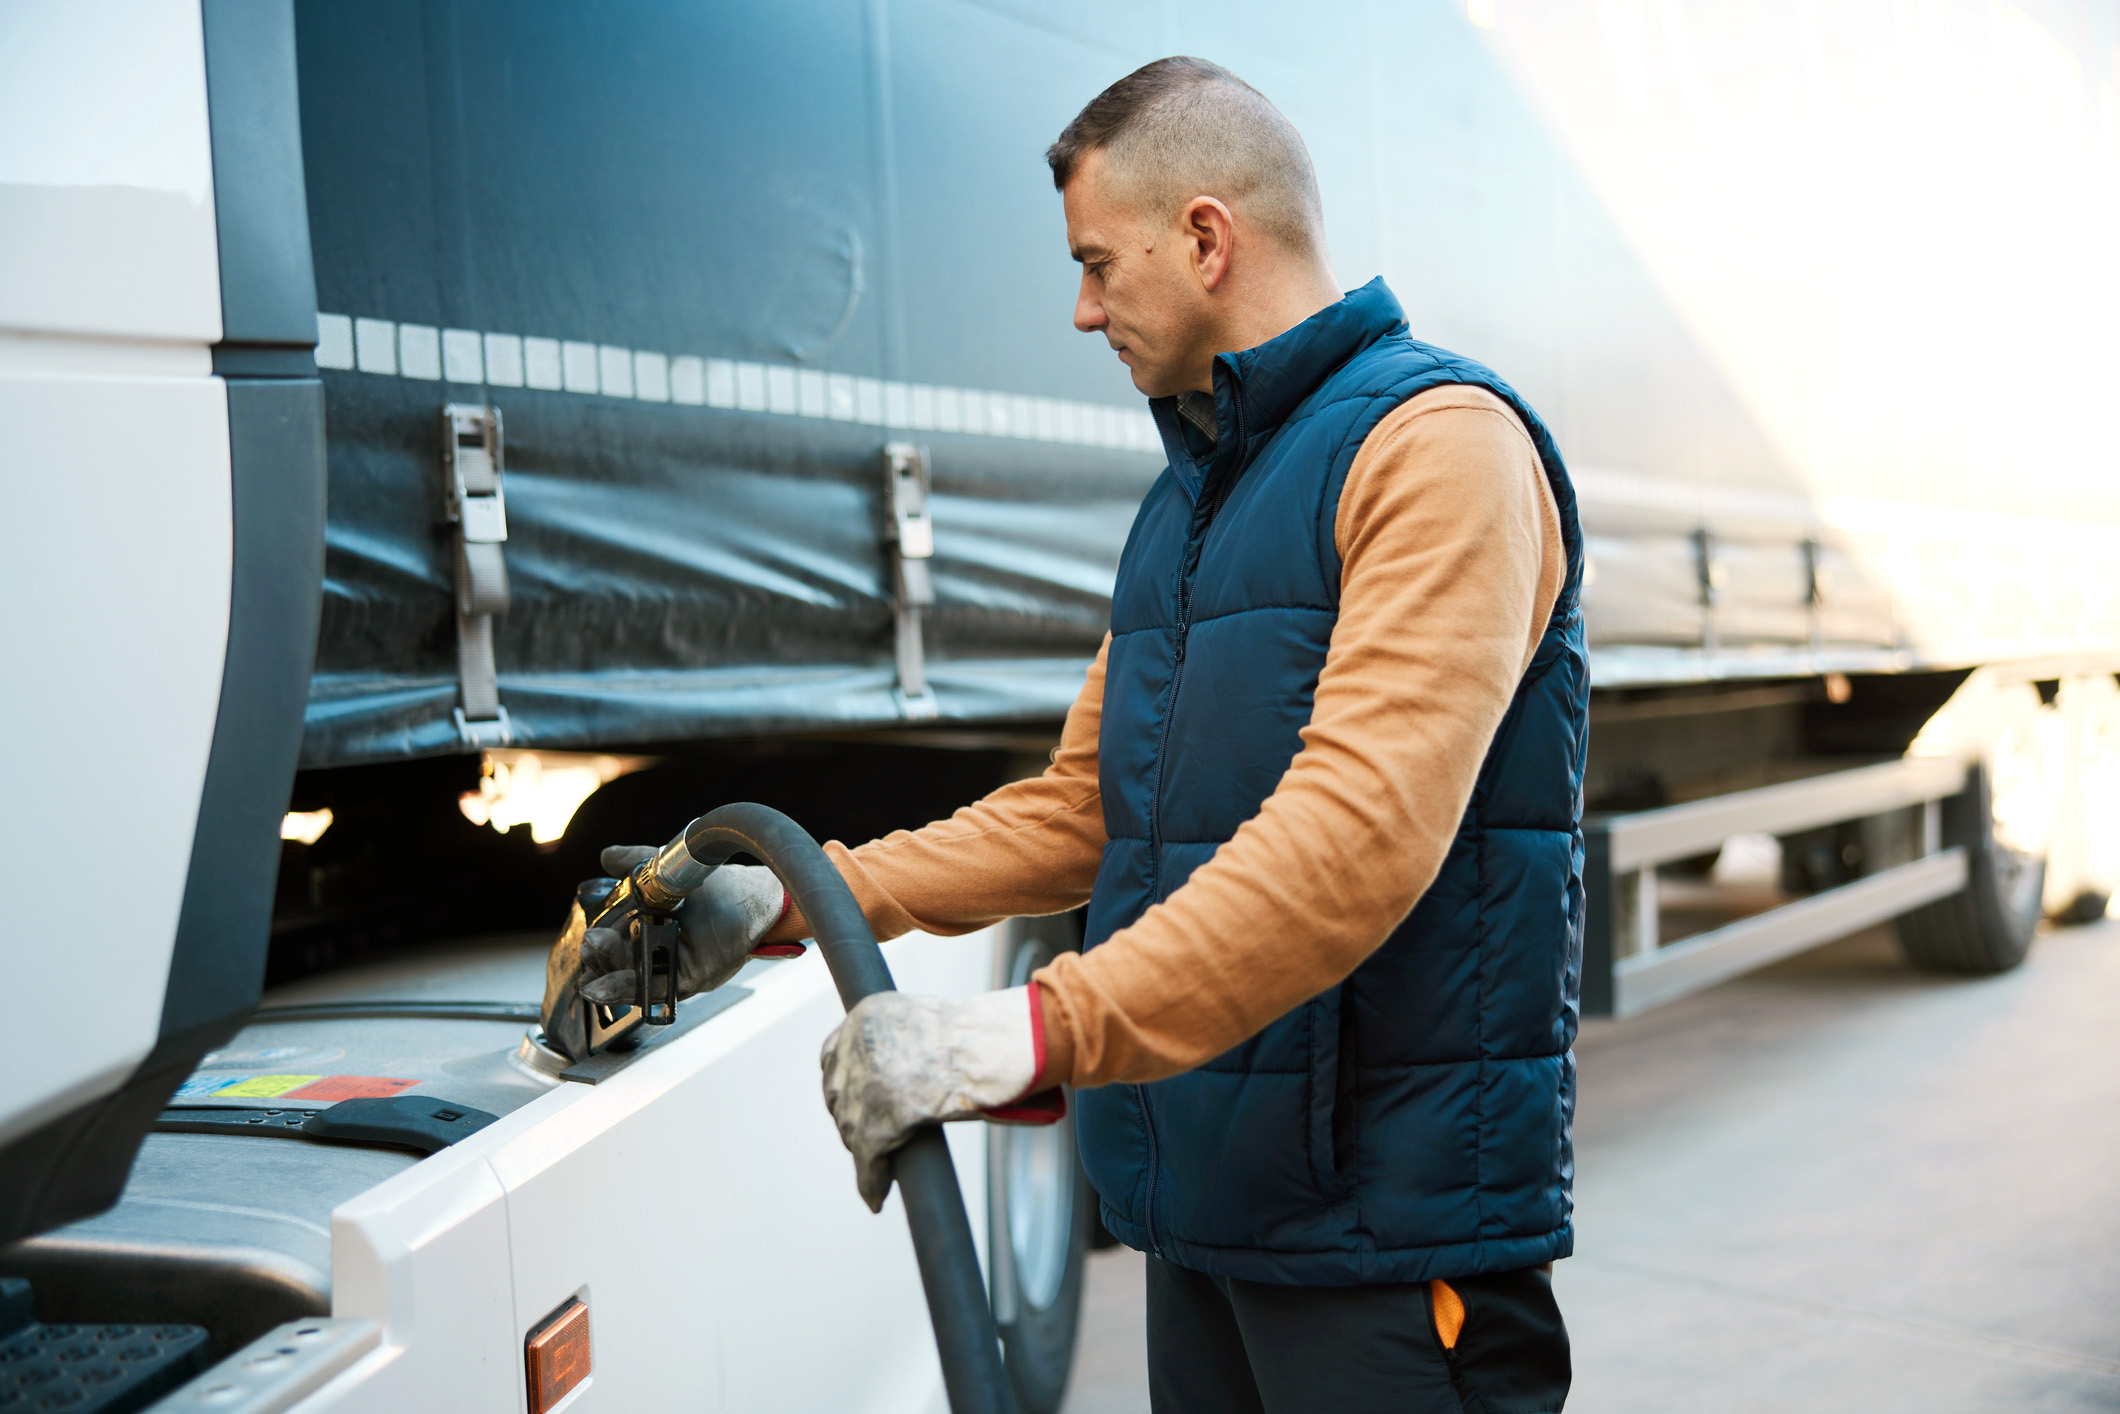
(1181, 128)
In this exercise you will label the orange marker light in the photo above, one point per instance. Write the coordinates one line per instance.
(557, 1354)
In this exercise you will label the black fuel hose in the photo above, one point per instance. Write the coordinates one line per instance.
(927, 1179)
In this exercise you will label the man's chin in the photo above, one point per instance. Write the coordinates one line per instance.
(1147, 384)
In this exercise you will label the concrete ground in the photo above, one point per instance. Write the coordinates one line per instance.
(1835, 1185)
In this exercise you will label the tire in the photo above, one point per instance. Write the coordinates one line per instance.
(1039, 1215)
(2088, 906)
(1988, 926)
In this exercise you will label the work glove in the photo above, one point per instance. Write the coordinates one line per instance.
(719, 925)
(898, 1062)
(565, 1029)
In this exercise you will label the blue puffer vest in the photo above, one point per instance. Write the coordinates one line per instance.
(1412, 1122)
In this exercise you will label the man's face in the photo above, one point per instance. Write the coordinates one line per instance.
(1140, 287)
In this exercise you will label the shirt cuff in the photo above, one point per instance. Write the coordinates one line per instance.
(790, 927)
(783, 938)
(1053, 1038)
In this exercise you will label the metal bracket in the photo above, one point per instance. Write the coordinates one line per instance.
(474, 503)
(1708, 574)
(483, 735)
(1814, 590)
(909, 539)
(471, 459)
(907, 485)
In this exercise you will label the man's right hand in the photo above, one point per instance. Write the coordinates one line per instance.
(719, 924)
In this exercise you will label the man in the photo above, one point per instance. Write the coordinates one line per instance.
(1321, 793)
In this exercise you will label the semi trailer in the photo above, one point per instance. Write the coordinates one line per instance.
(443, 439)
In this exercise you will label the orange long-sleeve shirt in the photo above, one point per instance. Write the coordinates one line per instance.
(1451, 561)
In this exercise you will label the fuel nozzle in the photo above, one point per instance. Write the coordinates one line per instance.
(642, 909)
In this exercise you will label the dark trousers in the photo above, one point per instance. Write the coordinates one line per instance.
(1489, 1344)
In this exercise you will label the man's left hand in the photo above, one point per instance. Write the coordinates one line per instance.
(898, 1062)
(719, 925)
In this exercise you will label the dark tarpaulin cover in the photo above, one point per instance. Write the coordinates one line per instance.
(680, 571)
(853, 189)
(731, 182)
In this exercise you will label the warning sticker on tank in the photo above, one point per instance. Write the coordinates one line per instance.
(263, 1087)
(200, 1086)
(348, 1087)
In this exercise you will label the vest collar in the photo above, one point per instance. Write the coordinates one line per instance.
(1257, 388)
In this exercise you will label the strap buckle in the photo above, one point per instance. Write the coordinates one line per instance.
(909, 539)
(473, 502)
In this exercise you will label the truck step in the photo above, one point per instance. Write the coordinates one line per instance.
(97, 1369)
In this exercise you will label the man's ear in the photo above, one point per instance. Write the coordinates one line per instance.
(1211, 231)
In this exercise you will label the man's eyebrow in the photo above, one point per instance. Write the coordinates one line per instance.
(1089, 254)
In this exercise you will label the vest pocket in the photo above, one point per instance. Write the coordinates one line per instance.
(1238, 1161)
(1346, 1112)
(1112, 1135)
(1333, 1112)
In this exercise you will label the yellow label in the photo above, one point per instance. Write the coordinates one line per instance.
(264, 1087)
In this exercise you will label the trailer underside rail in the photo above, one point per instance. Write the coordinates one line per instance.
(1627, 964)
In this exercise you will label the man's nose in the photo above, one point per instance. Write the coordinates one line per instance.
(1089, 310)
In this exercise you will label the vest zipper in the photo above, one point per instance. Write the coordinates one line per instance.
(1211, 496)
(1177, 680)
(1155, 865)
(1155, 841)
(1214, 489)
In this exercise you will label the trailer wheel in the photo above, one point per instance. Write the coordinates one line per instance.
(1040, 1217)
(1986, 927)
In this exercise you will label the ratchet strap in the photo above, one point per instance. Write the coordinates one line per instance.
(476, 510)
(909, 543)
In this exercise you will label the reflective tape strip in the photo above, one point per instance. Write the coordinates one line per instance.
(334, 341)
(614, 371)
(651, 377)
(721, 383)
(541, 364)
(577, 363)
(751, 387)
(780, 390)
(375, 346)
(504, 361)
(419, 352)
(688, 381)
(388, 349)
(462, 359)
